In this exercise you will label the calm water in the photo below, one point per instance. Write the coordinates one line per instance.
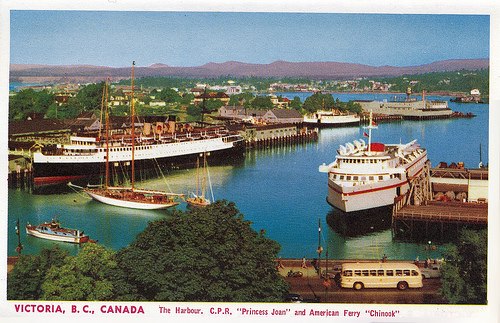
(279, 190)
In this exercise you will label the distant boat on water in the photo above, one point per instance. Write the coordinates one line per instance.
(331, 118)
(53, 231)
(409, 108)
(198, 199)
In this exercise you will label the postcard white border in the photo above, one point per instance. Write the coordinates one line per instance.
(417, 313)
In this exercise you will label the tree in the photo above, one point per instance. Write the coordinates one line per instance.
(169, 96)
(90, 97)
(205, 254)
(350, 106)
(464, 274)
(25, 280)
(242, 99)
(29, 101)
(318, 101)
(262, 103)
(296, 103)
(85, 277)
(194, 111)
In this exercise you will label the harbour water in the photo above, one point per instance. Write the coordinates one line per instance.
(279, 190)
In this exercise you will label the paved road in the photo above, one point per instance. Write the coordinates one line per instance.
(310, 286)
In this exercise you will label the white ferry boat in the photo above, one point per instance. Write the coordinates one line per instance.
(409, 108)
(85, 156)
(366, 176)
(330, 118)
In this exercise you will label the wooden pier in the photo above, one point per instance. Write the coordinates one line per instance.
(417, 215)
(269, 141)
(446, 212)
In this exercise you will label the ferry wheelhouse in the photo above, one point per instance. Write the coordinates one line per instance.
(365, 176)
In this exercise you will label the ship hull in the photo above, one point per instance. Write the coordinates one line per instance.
(364, 198)
(320, 124)
(53, 237)
(53, 170)
(128, 204)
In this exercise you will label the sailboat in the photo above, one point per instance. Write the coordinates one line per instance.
(129, 197)
(198, 199)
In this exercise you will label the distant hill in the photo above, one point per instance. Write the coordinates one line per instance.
(312, 70)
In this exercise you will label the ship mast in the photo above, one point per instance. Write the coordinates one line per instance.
(370, 126)
(132, 117)
(106, 118)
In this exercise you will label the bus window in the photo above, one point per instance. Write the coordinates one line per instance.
(406, 272)
(399, 272)
(365, 272)
(357, 273)
(373, 272)
(389, 273)
(380, 272)
(414, 273)
(348, 273)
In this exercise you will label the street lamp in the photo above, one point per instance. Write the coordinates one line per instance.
(320, 249)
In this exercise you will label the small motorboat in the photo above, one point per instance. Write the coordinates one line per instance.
(53, 231)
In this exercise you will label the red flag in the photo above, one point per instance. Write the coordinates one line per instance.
(365, 134)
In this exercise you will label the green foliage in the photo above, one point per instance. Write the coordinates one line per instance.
(213, 105)
(25, 280)
(206, 254)
(350, 106)
(318, 101)
(169, 96)
(193, 110)
(242, 99)
(464, 274)
(89, 97)
(296, 103)
(457, 81)
(262, 103)
(86, 276)
(29, 101)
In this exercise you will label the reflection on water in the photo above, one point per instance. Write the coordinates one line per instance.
(278, 189)
(361, 223)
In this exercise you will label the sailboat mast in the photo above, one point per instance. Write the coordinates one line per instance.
(132, 117)
(198, 175)
(204, 178)
(106, 117)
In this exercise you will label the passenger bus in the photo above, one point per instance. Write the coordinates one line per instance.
(398, 275)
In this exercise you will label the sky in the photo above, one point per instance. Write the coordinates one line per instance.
(115, 38)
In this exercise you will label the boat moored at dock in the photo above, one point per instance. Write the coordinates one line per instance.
(331, 119)
(366, 176)
(86, 156)
(410, 108)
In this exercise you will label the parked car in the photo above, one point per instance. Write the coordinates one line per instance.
(293, 298)
(332, 271)
(432, 271)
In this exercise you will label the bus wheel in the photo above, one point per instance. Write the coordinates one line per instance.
(402, 285)
(357, 286)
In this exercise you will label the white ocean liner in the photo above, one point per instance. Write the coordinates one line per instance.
(366, 176)
(87, 155)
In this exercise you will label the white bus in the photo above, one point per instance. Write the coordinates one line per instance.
(398, 275)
